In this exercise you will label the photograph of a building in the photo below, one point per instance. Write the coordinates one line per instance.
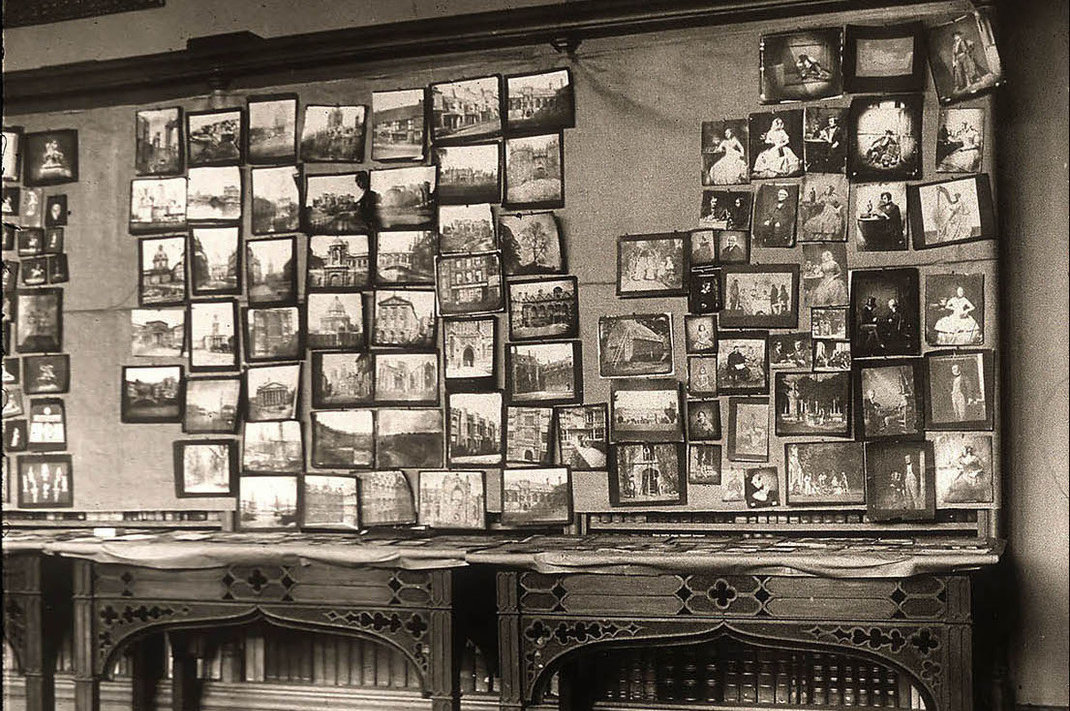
(405, 197)
(157, 332)
(583, 436)
(527, 434)
(335, 320)
(468, 175)
(273, 333)
(544, 371)
(333, 134)
(337, 262)
(214, 260)
(159, 146)
(330, 502)
(337, 204)
(398, 125)
(466, 109)
(269, 270)
(163, 270)
(542, 309)
(406, 257)
(475, 428)
(404, 318)
(470, 284)
(271, 392)
(214, 194)
(406, 377)
(341, 379)
(469, 347)
(534, 171)
(276, 200)
(536, 496)
(213, 334)
(156, 203)
(540, 101)
(272, 447)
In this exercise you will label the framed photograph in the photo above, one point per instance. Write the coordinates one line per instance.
(831, 356)
(272, 135)
(824, 275)
(733, 246)
(648, 473)
(884, 307)
(341, 379)
(825, 473)
(163, 271)
(205, 467)
(900, 481)
(536, 497)
(10, 273)
(652, 265)
(951, 212)
(157, 333)
(270, 271)
(880, 217)
(637, 344)
(386, 499)
(475, 428)
(726, 209)
(801, 65)
(703, 248)
(582, 439)
(30, 243)
(466, 110)
(404, 318)
(215, 137)
(469, 284)
(884, 58)
(452, 499)
(343, 439)
(725, 160)
(13, 406)
(702, 375)
(409, 438)
(271, 392)
(743, 363)
(9, 237)
(764, 296)
(748, 429)
(337, 262)
(700, 333)
(546, 372)
(12, 371)
(45, 481)
(732, 483)
(335, 320)
(531, 244)
(535, 171)
(703, 420)
(825, 140)
(406, 197)
(338, 204)
(704, 294)
(648, 410)
(465, 229)
(398, 125)
(15, 435)
(539, 102)
(545, 308)
(330, 502)
(55, 210)
(34, 271)
(152, 394)
(815, 404)
(276, 199)
(885, 138)
(963, 58)
(12, 153)
(333, 134)
(776, 144)
(470, 347)
(829, 322)
(46, 374)
(405, 257)
(39, 321)
(964, 466)
(273, 448)
(46, 425)
(32, 207)
(157, 204)
(214, 194)
(954, 309)
(960, 390)
(159, 141)
(58, 271)
(889, 399)
(527, 434)
(273, 334)
(704, 464)
(12, 201)
(50, 158)
(406, 378)
(761, 487)
(823, 208)
(268, 503)
(469, 175)
(213, 335)
(775, 211)
(212, 405)
(215, 261)
(960, 140)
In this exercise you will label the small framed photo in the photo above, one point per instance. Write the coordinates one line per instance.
(748, 429)
(216, 262)
(469, 284)
(214, 194)
(475, 428)
(725, 160)
(700, 333)
(272, 135)
(776, 144)
(889, 399)
(452, 499)
(398, 125)
(539, 102)
(829, 322)
(15, 435)
(652, 265)
(338, 204)
(536, 497)
(527, 434)
(159, 141)
(702, 375)
(825, 473)
(12, 371)
(884, 58)
(648, 473)
(801, 65)
(341, 379)
(764, 296)
(960, 390)
(13, 405)
(960, 140)
(46, 425)
(270, 271)
(410, 438)
(951, 212)
(58, 272)
(50, 158)
(12, 153)
(30, 243)
(55, 210)
(884, 310)
(343, 439)
(964, 58)
(704, 464)
(268, 503)
(726, 209)
(824, 275)
(406, 197)
(276, 199)
(743, 363)
(813, 404)
(39, 321)
(790, 351)
(964, 468)
(531, 244)
(212, 405)
(273, 448)
(34, 271)
(32, 207)
(9, 237)
(637, 344)
(405, 257)
(157, 333)
(954, 309)
(46, 374)
(464, 229)
(45, 481)
(10, 275)
(404, 318)
(205, 467)
(271, 392)
(880, 217)
(213, 335)
(11, 201)
(704, 295)
(825, 140)
(548, 372)
(163, 271)
(900, 481)
(330, 502)
(152, 394)
(703, 420)
(335, 321)
(215, 137)
(466, 110)
(775, 212)
(337, 262)
(884, 138)
(273, 334)
(543, 308)
(582, 439)
(406, 378)
(535, 171)
(823, 208)
(470, 349)
(733, 246)
(703, 249)
(333, 134)
(761, 487)
(157, 204)
(649, 410)
(469, 175)
(831, 356)
(386, 499)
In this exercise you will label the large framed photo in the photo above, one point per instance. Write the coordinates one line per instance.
(536, 497)
(409, 438)
(960, 140)
(404, 318)
(343, 439)
(45, 481)
(38, 321)
(638, 344)
(341, 379)
(212, 406)
(816, 404)
(954, 309)
(469, 175)
(531, 244)
(825, 473)
(273, 334)
(775, 214)
(406, 378)
(824, 275)
(885, 138)
(271, 392)
(776, 144)
(544, 308)
(46, 374)
(215, 261)
(539, 102)
(475, 428)
(652, 265)
(466, 110)
(884, 58)
(825, 140)
(823, 208)
(398, 125)
(765, 296)
(405, 257)
(46, 425)
(648, 410)
(386, 499)
(273, 448)
(163, 271)
(900, 481)
(337, 262)
(268, 503)
(549, 372)
(743, 363)
(452, 499)
(889, 399)
(158, 141)
(271, 137)
(880, 217)
(884, 311)
(406, 197)
(215, 137)
(527, 434)
(213, 335)
(333, 134)
(951, 212)
(157, 204)
(469, 284)
(535, 171)
(801, 65)
(276, 199)
(152, 394)
(337, 204)
(335, 320)
(963, 468)
(582, 437)
(12, 154)
(330, 502)
(648, 473)
(725, 160)
(470, 348)
(214, 194)
(960, 390)
(748, 429)
(963, 58)
(50, 158)
(205, 467)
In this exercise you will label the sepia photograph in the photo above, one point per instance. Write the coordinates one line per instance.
(44, 481)
(405, 257)
(267, 503)
(829, 322)
(776, 208)
(409, 438)
(831, 356)
(30, 243)
(215, 262)
(884, 58)
(398, 125)
(539, 102)
(273, 448)
(954, 309)
(825, 140)
(884, 307)
(464, 229)
(56, 212)
(330, 502)
(46, 429)
(544, 308)
(951, 212)
(964, 466)
(272, 131)
(652, 265)
(742, 363)
(881, 217)
(704, 295)
(702, 375)
(341, 379)
(824, 275)
(703, 248)
(38, 321)
(959, 390)
(468, 175)
(900, 482)
(527, 434)
(823, 208)
(452, 499)
(545, 372)
(12, 200)
(884, 138)
(205, 467)
(333, 134)
(13, 403)
(531, 244)
(703, 420)
(535, 172)
(15, 434)
(158, 141)
(157, 204)
(338, 204)
(152, 394)
(49, 158)
(386, 499)
(700, 333)
(726, 209)
(276, 200)
(536, 497)
(469, 284)
(648, 473)
(733, 246)
(43, 374)
(816, 404)
(475, 428)
(776, 144)
(271, 392)
(34, 271)
(12, 157)
(273, 334)
(213, 335)
(725, 160)
(214, 137)
(889, 399)
(646, 410)
(748, 429)
(343, 439)
(760, 296)
(582, 437)
(704, 464)
(469, 347)
(157, 333)
(163, 271)
(801, 65)
(405, 197)
(335, 320)
(406, 378)
(466, 110)
(824, 473)
(270, 271)
(31, 208)
(336, 262)
(212, 405)
(637, 344)
(761, 487)
(960, 140)
(404, 318)
(963, 57)
(214, 194)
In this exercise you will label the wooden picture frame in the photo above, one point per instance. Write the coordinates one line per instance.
(229, 453)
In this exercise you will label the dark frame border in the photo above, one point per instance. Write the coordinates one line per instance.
(914, 81)
(509, 518)
(178, 450)
(27, 459)
(267, 99)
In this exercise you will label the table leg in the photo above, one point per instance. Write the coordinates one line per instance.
(148, 658)
(37, 653)
(445, 647)
(511, 697)
(185, 694)
(86, 679)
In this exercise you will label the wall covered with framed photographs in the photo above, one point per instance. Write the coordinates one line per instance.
(696, 296)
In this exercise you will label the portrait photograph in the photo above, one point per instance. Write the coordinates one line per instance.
(157, 333)
(776, 144)
(760, 296)
(405, 257)
(884, 58)
(831, 356)
(733, 246)
(646, 410)
(341, 379)
(776, 208)
(163, 271)
(959, 390)
(452, 499)
(45, 481)
(531, 244)
(536, 497)
(469, 349)
(337, 204)
(55, 210)
(742, 363)
(761, 487)
(212, 405)
(46, 429)
(543, 308)
(468, 175)
(49, 158)
(824, 275)
(951, 212)
(268, 503)
(12, 153)
(527, 434)
(700, 333)
(815, 404)
(152, 394)
(539, 102)
(801, 65)
(825, 473)
(535, 171)
(272, 133)
(648, 473)
(880, 216)
(159, 140)
(748, 429)
(544, 372)
(11, 202)
(343, 439)
(386, 499)
(637, 344)
(215, 261)
(732, 484)
(954, 309)
(825, 140)
(702, 375)
(405, 197)
(704, 464)
(333, 134)
(276, 200)
(829, 322)
(885, 138)
(963, 58)
(466, 110)
(336, 262)
(889, 399)
(270, 271)
(273, 334)
(964, 468)
(476, 435)
(404, 318)
(703, 420)
(398, 125)
(406, 378)
(884, 311)
(900, 482)
(271, 392)
(214, 194)
(469, 284)
(205, 467)
(335, 320)
(38, 322)
(726, 209)
(157, 204)
(214, 137)
(703, 248)
(464, 229)
(790, 351)
(409, 438)
(960, 140)
(823, 208)
(330, 502)
(273, 448)
(582, 437)
(725, 160)
(704, 295)
(652, 265)
(213, 335)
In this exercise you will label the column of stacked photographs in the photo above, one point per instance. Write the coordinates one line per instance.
(35, 261)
